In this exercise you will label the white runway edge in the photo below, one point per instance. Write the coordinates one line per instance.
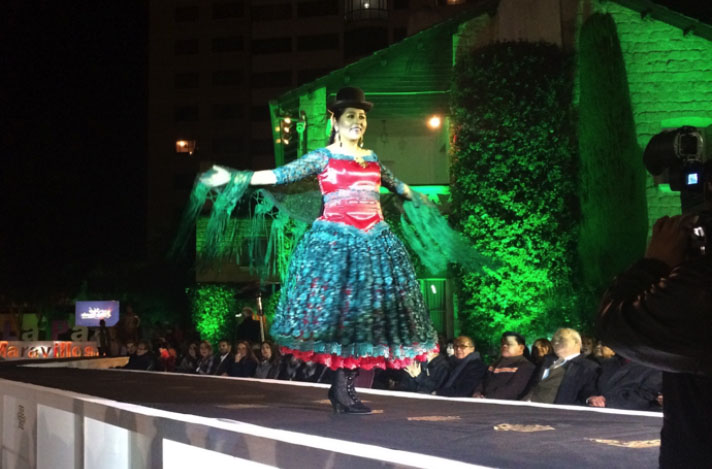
(402, 458)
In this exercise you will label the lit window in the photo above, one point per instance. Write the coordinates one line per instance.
(185, 146)
(355, 10)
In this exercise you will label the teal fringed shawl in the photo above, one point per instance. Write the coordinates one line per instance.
(428, 234)
(220, 235)
(282, 215)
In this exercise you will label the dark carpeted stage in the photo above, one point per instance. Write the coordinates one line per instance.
(465, 431)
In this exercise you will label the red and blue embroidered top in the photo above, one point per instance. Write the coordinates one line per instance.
(350, 189)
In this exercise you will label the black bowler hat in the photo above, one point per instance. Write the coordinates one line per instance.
(349, 96)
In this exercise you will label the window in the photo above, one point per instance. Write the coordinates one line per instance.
(225, 111)
(227, 145)
(224, 10)
(228, 44)
(227, 77)
(317, 8)
(183, 14)
(186, 80)
(186, 46)
(185, 113)
(318, 42)
(355, 10)
(279, 11)
(272, 45)
(271, 79)
(186, 146)
(305, 76)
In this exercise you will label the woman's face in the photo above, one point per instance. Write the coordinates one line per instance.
(587, 345)
(266, 351)
(542, 349)
(241, 349)
(352, 124)
(193, 350)
(204, 350)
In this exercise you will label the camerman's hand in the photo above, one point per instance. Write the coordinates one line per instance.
(670, 239)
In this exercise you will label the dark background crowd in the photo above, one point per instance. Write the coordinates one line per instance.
(568, 369)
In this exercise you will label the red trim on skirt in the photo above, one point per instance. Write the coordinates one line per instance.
(365, 363)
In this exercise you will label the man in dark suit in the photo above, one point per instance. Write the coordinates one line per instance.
(467, 370)
(567, 378)
(225, 357)
(623, 384)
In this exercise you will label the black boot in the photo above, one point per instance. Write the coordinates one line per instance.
(340, 395)
(350, 388)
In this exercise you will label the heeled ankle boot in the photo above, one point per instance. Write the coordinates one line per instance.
(351, 389)
(340, 395)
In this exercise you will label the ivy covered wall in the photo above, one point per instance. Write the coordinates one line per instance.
(612, 176)
(514, 188)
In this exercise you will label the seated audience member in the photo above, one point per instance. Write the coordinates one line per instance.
(268, 367)
(143, 359)
(540, 349)
(294, 369)
(467, 370)
(224, 358)
(623, 384)
(425, 379)
(288, 369)
(245, 362)
(130, 348)
(508, 377)
(166, 359)
(568, 378)
(311, 372)
(189, 362)
(588, 345)
(206, 362)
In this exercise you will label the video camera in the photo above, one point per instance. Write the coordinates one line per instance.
(683, 158)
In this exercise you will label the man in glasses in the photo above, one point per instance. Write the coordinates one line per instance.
(467, 370)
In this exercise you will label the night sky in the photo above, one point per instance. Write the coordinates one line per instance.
(73, 132)
(73, 135)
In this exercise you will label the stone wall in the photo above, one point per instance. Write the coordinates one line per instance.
(670, 82)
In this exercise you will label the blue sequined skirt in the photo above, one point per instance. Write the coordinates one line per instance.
(352, 299)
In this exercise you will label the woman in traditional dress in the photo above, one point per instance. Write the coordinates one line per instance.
(351, 298)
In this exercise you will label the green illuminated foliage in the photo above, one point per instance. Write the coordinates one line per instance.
(615, 220)
(213, 307)
(514, 177)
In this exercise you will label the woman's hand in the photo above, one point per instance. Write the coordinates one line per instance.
(217, 176)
